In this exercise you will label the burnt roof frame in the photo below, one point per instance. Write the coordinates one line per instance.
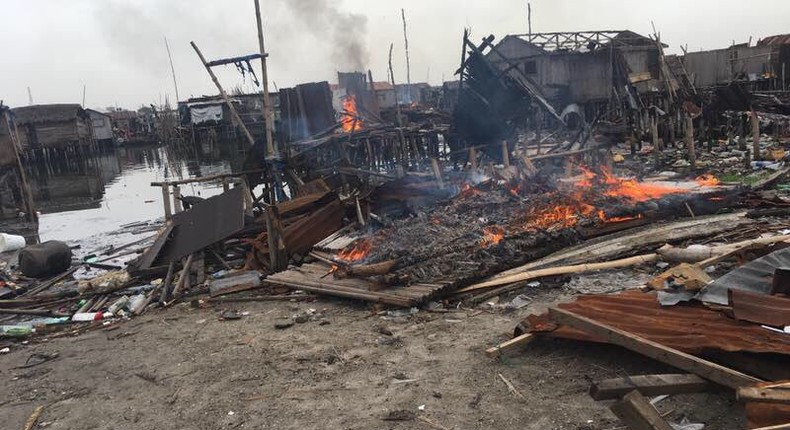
(574, 41)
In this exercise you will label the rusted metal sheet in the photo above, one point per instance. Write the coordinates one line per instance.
(760, 308)
(781, 39)
(691, 328)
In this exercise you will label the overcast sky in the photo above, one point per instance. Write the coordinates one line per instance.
(115, 48)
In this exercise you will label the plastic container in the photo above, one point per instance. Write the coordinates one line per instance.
(118, 305)
(87, 316)
(16, 330)
(11, 242)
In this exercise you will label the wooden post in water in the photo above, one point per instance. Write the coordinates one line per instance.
(233, 112)
(505, 155)
(267, 109)
(166, 200)
(179, 207)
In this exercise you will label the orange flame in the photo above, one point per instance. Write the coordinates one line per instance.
(359, 251)
(492, 236)
(467, 190)
(350, 119)
(707, 180)
(625, 187)
(515, 190)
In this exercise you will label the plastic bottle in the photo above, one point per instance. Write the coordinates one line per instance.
(87, 316)
(118, 305)
(16, 330)
(136, 303)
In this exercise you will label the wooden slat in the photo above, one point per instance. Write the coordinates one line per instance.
(636, 412)
(511, 345)
(706, 369)
(648, 385)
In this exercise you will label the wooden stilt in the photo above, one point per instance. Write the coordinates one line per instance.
(166, 200)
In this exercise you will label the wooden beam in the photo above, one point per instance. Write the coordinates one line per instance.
(511, 345)
(648, 385)
(636, 412)
(706, 369)
(776, 427)
(233, 113)
(231, 60)
(769, 394)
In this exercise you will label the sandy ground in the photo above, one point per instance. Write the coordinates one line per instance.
(184, 368)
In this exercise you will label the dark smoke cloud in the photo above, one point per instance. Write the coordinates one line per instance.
(346, 32)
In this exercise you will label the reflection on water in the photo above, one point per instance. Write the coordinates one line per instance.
(98, 194)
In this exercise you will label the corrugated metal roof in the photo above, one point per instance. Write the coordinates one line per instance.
(780, 39)
(688, 327)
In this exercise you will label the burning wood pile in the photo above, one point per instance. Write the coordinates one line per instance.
(490, 225)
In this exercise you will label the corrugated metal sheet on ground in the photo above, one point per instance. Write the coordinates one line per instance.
(692, 328)
(315, 277)
(755, 276)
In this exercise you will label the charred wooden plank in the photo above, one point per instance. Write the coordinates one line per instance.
(709, 370)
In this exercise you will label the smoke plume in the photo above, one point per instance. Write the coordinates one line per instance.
(347, 32)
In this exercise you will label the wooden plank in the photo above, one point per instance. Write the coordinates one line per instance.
(776, 427)
(636, 412)
(706, 369)
(648, 385)
(779, 394)
(511, 345)
(760, 308)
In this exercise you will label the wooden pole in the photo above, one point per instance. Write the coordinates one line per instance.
(267, 109)
(755, 136)
(177, 204)
(529, 18)
(473, 158)
(505, 155)
(32, 215)
(172, 71)
(406, 43)
(278, 255)
(690, 141)
(394, 88)
(233, 112)
(166, 200)
(654, 132)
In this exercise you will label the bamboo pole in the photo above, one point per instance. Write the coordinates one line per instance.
(267, 109)
(233, 112)
(562, 270)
